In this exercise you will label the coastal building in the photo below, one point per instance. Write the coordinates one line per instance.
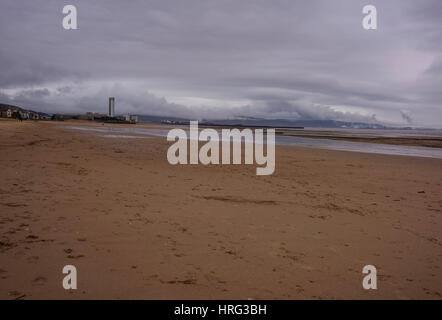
(134, 118)
(12, 113)
(99, 115)
(34, 116)
(130, 118)
(24, 115)
(112, 107)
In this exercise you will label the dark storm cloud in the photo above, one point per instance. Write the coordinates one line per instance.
(213, 58)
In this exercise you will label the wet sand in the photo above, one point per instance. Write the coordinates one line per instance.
(418, 138)
(137, 227)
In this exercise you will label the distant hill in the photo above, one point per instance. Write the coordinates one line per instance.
(275, 123)
(278, 123)
(162, 119)
(4, 107)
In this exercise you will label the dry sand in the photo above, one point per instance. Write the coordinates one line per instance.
(137, 227)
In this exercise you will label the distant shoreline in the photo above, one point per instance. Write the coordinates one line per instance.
(341, 143)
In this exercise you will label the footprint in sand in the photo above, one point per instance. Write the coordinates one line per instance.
(40, 280)
(33, 259)
(16, 295)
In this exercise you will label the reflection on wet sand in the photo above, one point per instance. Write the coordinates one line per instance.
(332, 140)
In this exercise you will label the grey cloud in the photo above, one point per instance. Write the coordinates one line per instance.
(406, 116)
(435, 69)
(307, 59)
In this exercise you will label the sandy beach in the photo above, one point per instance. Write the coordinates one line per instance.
(137, 227)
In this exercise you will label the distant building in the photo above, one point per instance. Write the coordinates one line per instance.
(15, 113)
(112, 107)
(133, 118)
(130, 118)
(99, 115)
(34, 116)
(24, 115)
(89, 116)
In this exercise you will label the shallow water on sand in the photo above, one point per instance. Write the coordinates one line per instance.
(123, 133)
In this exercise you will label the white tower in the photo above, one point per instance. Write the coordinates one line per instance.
(112, 107)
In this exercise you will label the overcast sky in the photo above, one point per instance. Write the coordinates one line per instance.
(282, 59)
